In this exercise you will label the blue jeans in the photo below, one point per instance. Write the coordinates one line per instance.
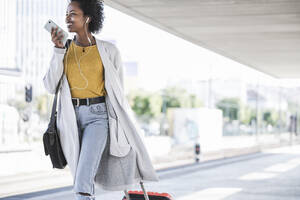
(92, 124)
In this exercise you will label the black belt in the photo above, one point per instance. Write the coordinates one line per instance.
(87, 101)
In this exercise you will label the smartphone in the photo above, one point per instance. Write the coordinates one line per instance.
(50, 24)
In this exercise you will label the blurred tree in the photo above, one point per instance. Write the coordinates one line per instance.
(230, 108)
(247, 114)
(146, 105)
(171, 97)
(175, 97)
(271, 117)
(195, 102)
(42, 102)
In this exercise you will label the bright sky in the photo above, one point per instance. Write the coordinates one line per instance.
(162, 57)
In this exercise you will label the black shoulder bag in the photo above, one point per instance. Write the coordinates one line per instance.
(51, 139)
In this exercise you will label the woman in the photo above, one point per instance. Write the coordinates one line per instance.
(99, 135)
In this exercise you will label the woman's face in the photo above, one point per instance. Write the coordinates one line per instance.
(75, 19)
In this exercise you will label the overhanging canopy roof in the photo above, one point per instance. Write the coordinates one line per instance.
(262, 34)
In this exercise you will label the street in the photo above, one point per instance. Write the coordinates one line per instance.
(270, 175)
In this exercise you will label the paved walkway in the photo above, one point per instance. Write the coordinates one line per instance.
(271, 175)
(30, 171)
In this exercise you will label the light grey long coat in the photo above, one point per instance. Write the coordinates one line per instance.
(125, 160)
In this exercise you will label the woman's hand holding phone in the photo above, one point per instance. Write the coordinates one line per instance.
(57, 38)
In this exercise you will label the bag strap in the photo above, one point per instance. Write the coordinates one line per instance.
(67, 45)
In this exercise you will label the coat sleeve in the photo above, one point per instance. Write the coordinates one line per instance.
(119, 65)
(55, 70)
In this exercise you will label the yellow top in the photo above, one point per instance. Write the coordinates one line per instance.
(86, 81)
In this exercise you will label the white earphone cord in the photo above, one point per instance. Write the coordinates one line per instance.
(87, 33)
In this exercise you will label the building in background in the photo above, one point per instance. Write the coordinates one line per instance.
(25, 45)
(10, 75)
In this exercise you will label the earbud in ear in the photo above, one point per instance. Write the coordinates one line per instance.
(87, 20)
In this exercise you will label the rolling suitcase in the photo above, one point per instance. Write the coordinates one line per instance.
(143, 195)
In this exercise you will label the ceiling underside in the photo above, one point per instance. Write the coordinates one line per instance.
(262, 34)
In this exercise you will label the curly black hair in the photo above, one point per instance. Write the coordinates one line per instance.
(94, 9)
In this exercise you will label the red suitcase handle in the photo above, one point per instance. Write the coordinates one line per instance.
(146, 194)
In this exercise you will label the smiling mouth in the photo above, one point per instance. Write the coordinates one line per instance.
(69, 24)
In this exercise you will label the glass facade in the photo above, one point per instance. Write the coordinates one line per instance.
(26, 45)
(8, 35)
